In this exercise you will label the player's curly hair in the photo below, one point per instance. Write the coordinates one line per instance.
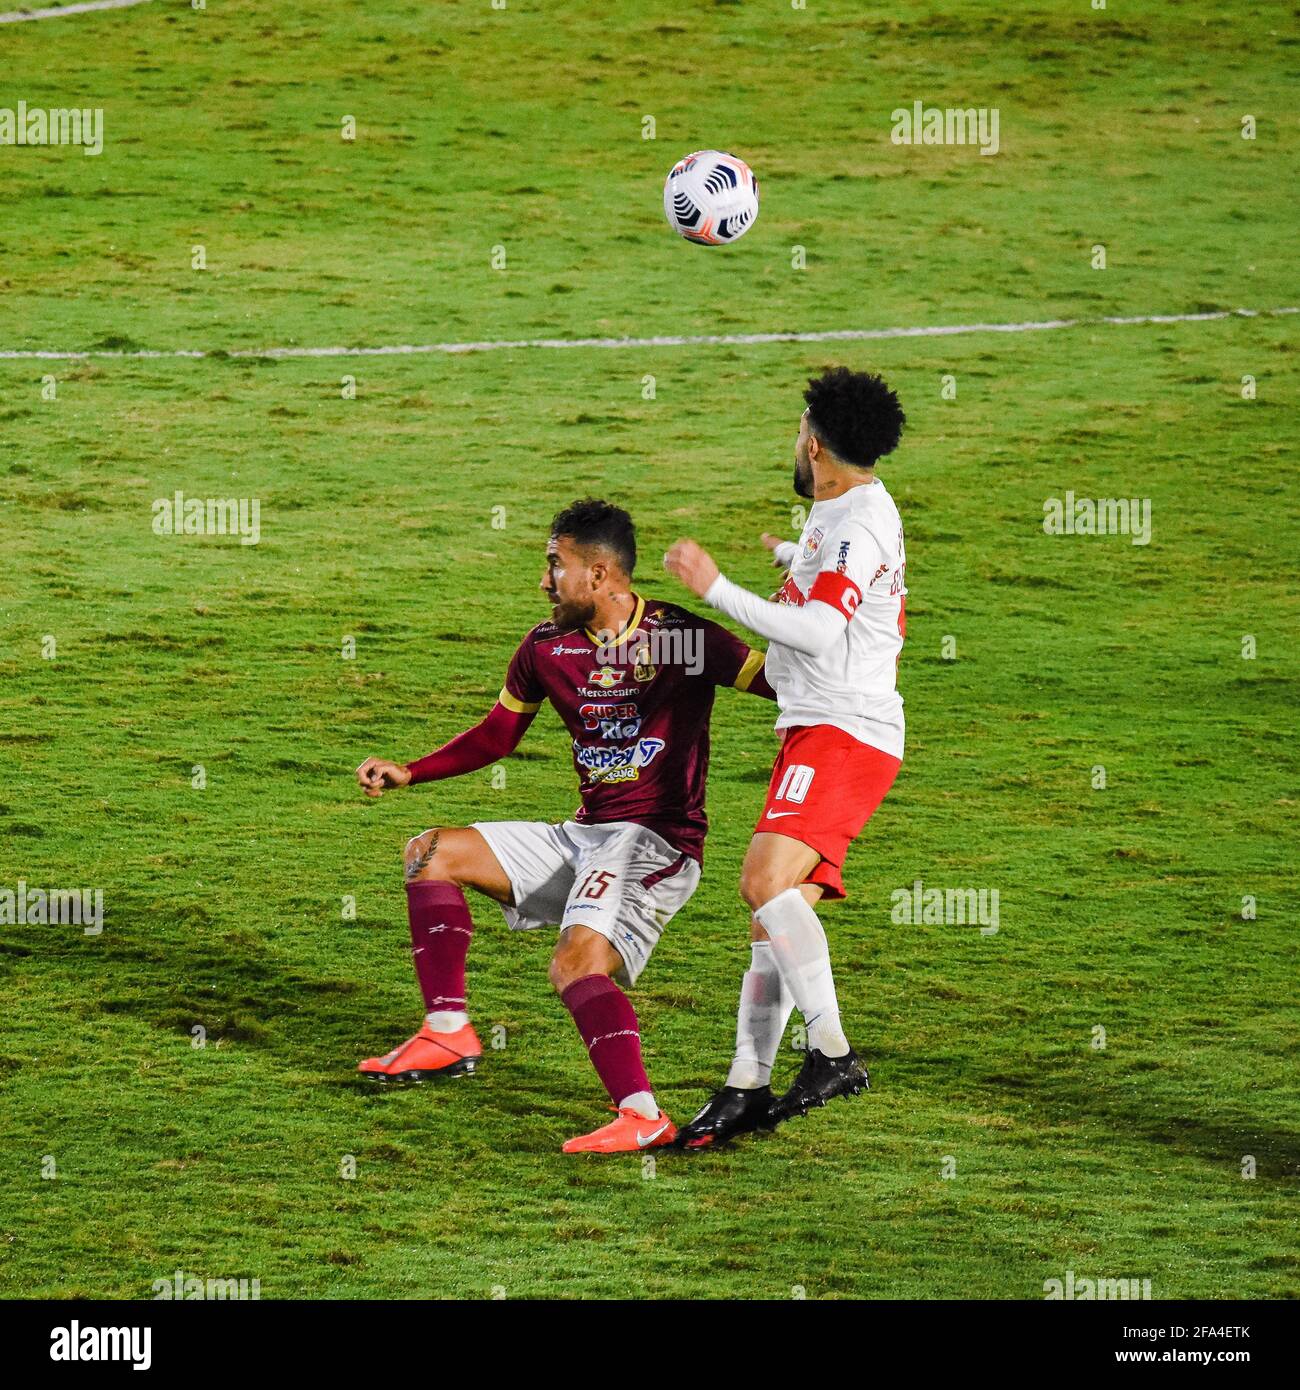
(592, 522)
(854, 414)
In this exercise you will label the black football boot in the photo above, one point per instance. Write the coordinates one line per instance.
(727, 1114)
(821, 1078)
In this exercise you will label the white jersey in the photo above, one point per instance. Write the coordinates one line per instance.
(851, 556)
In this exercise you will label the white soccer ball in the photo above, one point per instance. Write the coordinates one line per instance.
(711, 197)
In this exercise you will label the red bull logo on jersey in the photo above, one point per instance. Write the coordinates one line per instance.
(812, 544)
(617, 764)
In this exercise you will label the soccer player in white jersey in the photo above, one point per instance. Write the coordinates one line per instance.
(835, 630)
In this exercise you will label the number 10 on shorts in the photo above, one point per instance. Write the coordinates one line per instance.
(795, 783)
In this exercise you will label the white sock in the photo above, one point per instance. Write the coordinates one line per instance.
(643, 1103)
(446, 1020)
(800, 951)
(765, 1006)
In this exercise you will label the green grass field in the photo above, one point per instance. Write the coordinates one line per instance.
(1121, 907)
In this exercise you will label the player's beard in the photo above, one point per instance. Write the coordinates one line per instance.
(803, 474)
(570, 614)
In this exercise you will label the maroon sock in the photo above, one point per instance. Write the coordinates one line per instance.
(607, 1022)
(440, 931)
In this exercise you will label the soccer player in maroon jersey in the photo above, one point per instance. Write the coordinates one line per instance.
(632, 679)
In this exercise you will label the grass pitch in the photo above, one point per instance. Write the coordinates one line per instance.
(1121, 907)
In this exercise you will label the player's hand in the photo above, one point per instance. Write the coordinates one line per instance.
(377, 774)
(692, 564)
(772, 542)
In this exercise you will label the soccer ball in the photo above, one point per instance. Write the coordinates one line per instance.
(711, 197)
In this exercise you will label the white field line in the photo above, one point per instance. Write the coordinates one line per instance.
(58, 11)
(836, 335)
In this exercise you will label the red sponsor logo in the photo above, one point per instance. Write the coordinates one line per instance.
(593, 713)
(789, 592)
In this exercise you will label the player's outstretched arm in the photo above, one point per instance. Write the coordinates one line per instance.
(491, 739)
(812, 629)
(783, 552)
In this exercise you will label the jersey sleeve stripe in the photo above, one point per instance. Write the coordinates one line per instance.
(517, 706)
(753, 665)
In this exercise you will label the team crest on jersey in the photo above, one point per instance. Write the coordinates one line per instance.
(606, 678)
(813, 543)
(643, 670)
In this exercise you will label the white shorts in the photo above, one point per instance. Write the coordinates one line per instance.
(619, 879)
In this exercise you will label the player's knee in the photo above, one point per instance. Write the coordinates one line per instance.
(575, 959)
(759, 885)
(427, 858)
(568, 965)
(560, 973)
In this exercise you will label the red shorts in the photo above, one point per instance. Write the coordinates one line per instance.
(824, 788)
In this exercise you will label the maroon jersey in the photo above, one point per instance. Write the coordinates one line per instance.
(638, 711)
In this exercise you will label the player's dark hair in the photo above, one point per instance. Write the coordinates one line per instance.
(592, 522)
(854, 414)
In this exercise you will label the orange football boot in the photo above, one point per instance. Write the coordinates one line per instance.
(624, 1135)
(428, 1056)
